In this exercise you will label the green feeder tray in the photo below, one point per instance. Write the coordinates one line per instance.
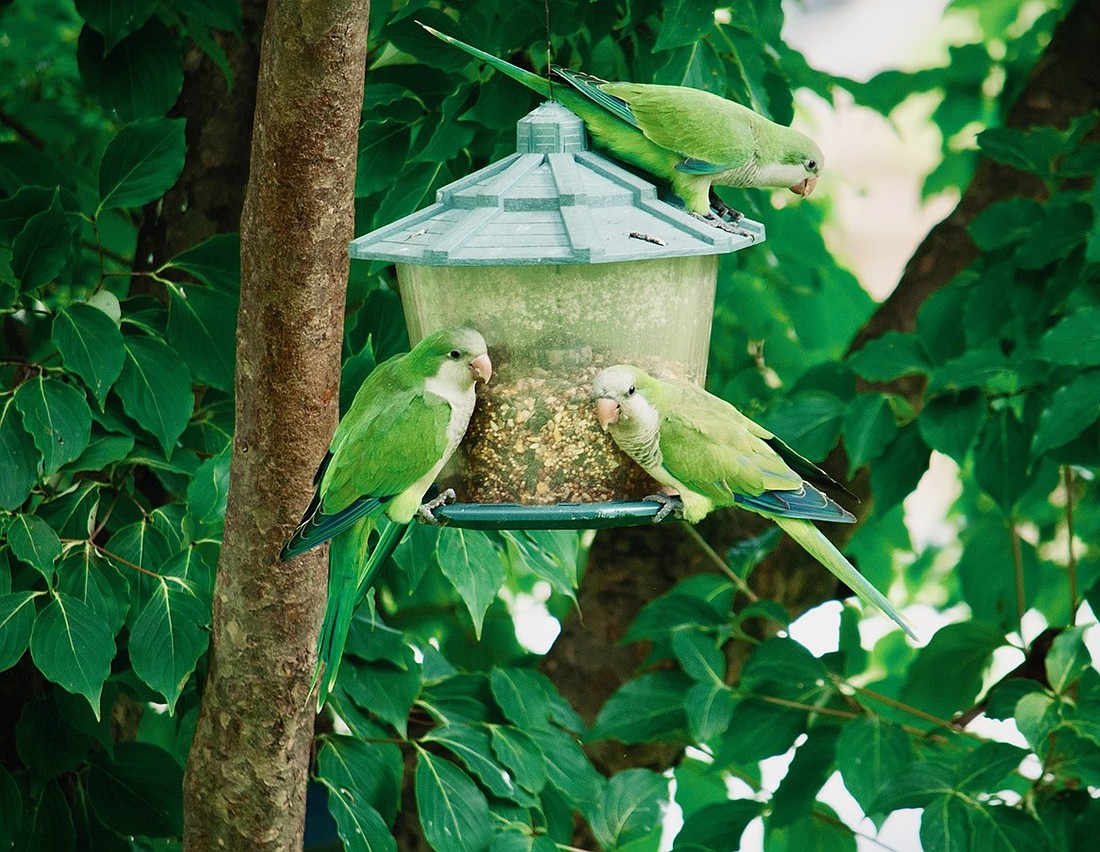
(567, 263)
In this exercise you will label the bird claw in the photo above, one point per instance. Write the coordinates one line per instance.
(670, 505)
(426, 513)
(724, 211)
(723, 225)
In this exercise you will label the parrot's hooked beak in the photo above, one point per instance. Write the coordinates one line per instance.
(804, 187)
(481, 368)
(607, 412)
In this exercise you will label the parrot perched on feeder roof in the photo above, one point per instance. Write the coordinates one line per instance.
(688, 137)
(403, 425)
(710, 455)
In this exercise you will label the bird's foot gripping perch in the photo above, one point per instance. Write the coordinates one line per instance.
(723, 211)
(426, 513)
(720, 223)
(670, 505)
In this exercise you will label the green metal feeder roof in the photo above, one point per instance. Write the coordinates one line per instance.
(552, 202)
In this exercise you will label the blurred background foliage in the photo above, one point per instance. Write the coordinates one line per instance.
(116, 388)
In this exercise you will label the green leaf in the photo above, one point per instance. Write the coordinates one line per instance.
(632, 806)
(471, 745)
(709, 708)
(1005, 222)
(41, 250)
(141, 163)
(58, 418)
(168, 637)
(115, 19)
(155, 389)
(887, 357)
(372, 771)
(949, 423)
(646, 709)
(1001, 459)
(383, 149)
(16, 621)
(685, 22)
(73, 647)
(471, 562)
(207, 493)
(453, 812)
(985, 367)
(91, 579)
(47, 743)
(140, 792)
(699, 656)
(1029, 151)
(11, 809)
(869, 427)
(521, 695)
(202, 324)
(809, 770)
(759, 729)
(785, 663)
(385, 691)
(32, 540)
(363, 780)
(1069, 658)
(1074, 340)
(895, 473)
(140, 78)
(717, 826)
(103, 451)
(47, 823)
(20, 472)
(567, 767)
(215, 262)
(808, 421)
(521, 755)
(869, 753)
(986, 767)
(914, 787)
(963, 648)
(1073, 408)
(90, 345)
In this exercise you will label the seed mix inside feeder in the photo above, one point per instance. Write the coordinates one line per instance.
(567, 263)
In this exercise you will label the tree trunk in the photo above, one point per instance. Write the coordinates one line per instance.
(248, 766)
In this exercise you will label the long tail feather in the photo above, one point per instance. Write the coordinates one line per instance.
(351, 574)
(527, 78)
(823, 550)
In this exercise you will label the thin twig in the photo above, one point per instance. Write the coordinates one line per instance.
(1071, 481)
(721, 563)
(1018, 565)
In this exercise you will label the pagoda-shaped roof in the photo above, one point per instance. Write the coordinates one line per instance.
(552, 202)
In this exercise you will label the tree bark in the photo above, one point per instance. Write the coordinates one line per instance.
(248, 766)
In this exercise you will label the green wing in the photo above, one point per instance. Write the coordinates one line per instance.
(699, 126)
(710, 446)
(384, 446)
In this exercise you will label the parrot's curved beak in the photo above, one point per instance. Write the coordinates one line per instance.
(607, 412)
(804, 187)
(481, 368)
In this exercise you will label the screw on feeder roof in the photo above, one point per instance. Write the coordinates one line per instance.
(552, 202)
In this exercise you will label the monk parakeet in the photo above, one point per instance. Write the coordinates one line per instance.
(710, 455)
(690, 138)
(403, 425)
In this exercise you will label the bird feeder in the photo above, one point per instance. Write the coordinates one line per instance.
(567, 263)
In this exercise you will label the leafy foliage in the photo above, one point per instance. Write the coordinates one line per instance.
(116, 383)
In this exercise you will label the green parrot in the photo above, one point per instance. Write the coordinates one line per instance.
(406, 420)
(710, 455)
(690, 138)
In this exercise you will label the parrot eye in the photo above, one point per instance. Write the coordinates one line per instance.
(630, 391)
(454, 354)
(811, 165)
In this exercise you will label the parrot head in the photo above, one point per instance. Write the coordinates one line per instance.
(621, 403)
(456, 356)
(791, 159)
